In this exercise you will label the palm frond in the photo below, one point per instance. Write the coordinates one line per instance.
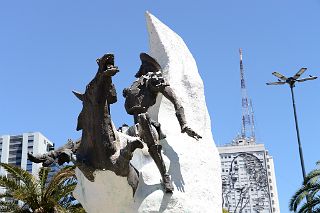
(60, 177)
(297, 198)
(9, 183)
(59, 209)
(20, 174)
(6, 195)
(309, 190)
(307, 196)
(64, 195)
(20, 184)
(313, 176)
(77, 208)
(56, 196)
(43, 176)
(309, 206)
(27, 196)
(11, 207)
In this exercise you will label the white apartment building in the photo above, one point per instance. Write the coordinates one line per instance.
(14, 150)
(248, 178)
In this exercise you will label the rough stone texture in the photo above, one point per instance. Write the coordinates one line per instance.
(193, 165)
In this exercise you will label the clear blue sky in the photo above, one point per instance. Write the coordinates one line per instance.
(48, 48)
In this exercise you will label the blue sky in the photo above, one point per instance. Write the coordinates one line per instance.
(48, 48)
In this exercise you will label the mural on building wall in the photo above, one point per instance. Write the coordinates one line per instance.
(246, 182)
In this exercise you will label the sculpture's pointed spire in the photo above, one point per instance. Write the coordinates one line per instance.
(181, 72)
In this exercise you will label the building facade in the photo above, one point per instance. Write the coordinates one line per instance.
(14, 150)
(248, 178)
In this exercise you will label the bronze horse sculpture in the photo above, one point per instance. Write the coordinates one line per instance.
(100, 147)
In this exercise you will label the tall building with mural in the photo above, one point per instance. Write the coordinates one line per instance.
(248, 175)
(248, 178)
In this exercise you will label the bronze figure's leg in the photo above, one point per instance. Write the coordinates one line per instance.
(155, 153)
(150, 137)
(157, 125)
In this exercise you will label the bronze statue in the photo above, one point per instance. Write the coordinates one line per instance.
(140, 96)
(100, 147)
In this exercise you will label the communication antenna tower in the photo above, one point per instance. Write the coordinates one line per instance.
(253, 134)
(247, 115)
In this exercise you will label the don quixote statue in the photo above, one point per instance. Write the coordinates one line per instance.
(100, 147)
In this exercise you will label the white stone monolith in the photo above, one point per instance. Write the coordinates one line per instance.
(194, 165)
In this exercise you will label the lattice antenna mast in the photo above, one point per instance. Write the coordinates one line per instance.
(245, 105)
(253, 134)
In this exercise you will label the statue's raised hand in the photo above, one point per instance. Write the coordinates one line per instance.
(191, 133)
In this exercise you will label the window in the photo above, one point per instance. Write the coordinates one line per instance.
(50, 148)
(17, 137)
(15, 146)
(15, 152)
(15, 158)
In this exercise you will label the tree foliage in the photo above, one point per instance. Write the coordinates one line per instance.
(309, 189)
(36, 195)
(224, 211)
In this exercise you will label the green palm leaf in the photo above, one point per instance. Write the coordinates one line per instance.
(310, 189)
(9, 183)
(20, 174)
(37, 194)
(59, 178)
(306, 206)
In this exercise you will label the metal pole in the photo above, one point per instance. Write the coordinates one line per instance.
(298, 135)
(300, 147)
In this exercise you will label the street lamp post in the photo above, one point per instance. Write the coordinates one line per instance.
(291, 81)
(298, 134)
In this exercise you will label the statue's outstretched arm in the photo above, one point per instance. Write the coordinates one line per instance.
(169, 94)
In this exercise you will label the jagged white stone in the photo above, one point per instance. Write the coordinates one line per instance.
(194, 166)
